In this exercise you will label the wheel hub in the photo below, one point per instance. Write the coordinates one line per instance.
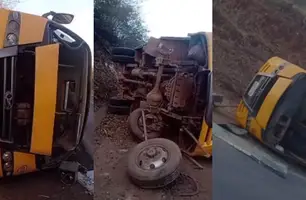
(153, 123)
(151, 152)
(152, 157)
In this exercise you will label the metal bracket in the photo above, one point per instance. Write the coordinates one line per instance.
(69, 171)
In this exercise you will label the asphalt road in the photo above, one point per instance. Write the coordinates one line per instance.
(236, 176)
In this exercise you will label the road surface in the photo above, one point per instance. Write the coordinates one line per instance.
(237, 176)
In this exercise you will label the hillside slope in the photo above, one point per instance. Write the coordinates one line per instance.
(247, 33)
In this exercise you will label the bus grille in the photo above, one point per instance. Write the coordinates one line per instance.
(7, 80)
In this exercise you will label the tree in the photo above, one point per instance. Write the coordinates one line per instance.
(8, 3)
(118, 23)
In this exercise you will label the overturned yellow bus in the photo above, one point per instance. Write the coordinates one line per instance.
(45, 87)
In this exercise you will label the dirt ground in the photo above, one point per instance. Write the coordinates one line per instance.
(248, 32)
(47, 184)
(41, 186)
(44, 185)
(111, 180)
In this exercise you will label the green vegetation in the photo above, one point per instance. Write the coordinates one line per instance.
(118, 23)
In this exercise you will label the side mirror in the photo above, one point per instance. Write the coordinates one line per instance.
(63, 18)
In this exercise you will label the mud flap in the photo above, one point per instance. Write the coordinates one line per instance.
(46, 75)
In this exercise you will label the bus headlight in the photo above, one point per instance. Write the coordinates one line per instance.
(11, 39)
(7, 156)
(12, 29)
(13, 26)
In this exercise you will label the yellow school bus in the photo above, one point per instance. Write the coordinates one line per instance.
(273, 107)
(45, 76)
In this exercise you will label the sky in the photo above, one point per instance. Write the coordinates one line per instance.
(177, 17)
(81, 9)
(162, 17)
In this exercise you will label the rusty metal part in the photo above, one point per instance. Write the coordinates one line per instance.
(184, 129)
(138, 72)
(126, 80)
(184, 64)
(144, 125)
(178, 45)
(128, 96)
(197, 95)
(192, 160)
(143, 104)
(225, 106)
(151, 46)
(164, 50)
(172, 89)
(179, 90)
(129, 65)
(189, 148)
(171, 114)
(179, 117)
(154, 97)
(175, 68)
(141, 92)
(141, 73)
(155, 47)
(23, 114)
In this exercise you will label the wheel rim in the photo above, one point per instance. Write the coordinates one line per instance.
(152, 157)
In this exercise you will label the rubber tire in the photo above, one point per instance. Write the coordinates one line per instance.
(123, 51)
(159, 177)
(120, 102)
(134, 128)
(135, 105)
(123, 59)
